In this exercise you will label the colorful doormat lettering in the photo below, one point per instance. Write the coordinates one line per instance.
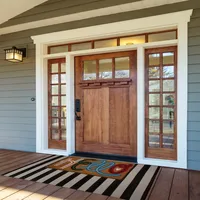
(96, 167)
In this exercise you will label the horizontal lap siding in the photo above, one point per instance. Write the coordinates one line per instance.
(17, 87)
(194, 92)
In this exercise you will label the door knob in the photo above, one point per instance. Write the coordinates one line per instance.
(77, 117)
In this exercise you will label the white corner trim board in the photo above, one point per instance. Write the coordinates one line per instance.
(178, 20)
(88, 14)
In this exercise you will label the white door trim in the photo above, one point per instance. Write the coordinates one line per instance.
(173, 20)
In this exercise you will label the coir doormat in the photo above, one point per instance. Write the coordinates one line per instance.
(96, 167)
(111, 178)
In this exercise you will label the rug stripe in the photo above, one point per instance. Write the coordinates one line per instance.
(104, 186)
(75, 180)
(44, 175)
(89, 183)
(35, 174)
(42, 180)
(150, 184)
(74, 175)
(35, 166)
(135, 182)
(111, 188)
(81, 182)
(96, 185)
(137, 194)
(53, 178)
(20, 170)
(123, 185)
(60, 179)
(33, 169)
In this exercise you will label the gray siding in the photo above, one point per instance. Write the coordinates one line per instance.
(194, 92)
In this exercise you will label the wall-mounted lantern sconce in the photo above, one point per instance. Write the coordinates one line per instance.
(15, 55)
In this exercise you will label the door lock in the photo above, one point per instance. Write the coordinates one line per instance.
(77, 117)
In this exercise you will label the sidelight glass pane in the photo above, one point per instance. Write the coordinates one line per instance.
(168, 85)
(89, 68)
(154, 113)
(168, 58)
(132, 40)
(169, 99)
(55, 134)
(105, 43)
(55, 111)
(63, 123)
(154, 141)
(154, 126)
(154, 72)
(122, 67)
(168, 72)
(168, 141)
(59, 49)
(63, 78)
(55, 101)
(154, 86)
(168, 127)
(63, 100)
(63, 89)
(54, 68)
(63, 134)
(81, 46)
(154, 99)
(54, 89)
(63, 111)
(105, 68)
(154, 59)
(168, 113)
(155, 37)
(55, 123)
(54, 79)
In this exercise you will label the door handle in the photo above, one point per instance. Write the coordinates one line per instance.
(78, 118)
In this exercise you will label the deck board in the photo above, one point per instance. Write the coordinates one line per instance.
(171, 184)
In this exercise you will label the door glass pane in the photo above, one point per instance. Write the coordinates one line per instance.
(63, 134)
(168, 141)
(54, 68)
(168, 72)
(154, 72)
(89, 69)
(59, 49)
(54, 89)
(63, 89)
(154, 126)
(55, 134)
(168, 113)
(63, 100)
(54, 79)
(154, 99)
(154, 113)
(168, 85)
(63, 112)
(63, 67)
(81, 46)
(154, 86)
(154, 59)
(55, 101)
(168, 99)
(154, 141)
(105, 43)
(168, 58)
(55, 111)
(105, 68)
(122, 67)
(63, 78)
(168, 127)
(55, 123)
(162, 36)
(132, 40)
(63, 123)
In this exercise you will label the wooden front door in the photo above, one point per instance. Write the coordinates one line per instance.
(106, 89)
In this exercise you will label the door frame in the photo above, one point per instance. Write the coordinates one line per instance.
(177, 20)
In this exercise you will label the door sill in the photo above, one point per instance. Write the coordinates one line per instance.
(106, 156)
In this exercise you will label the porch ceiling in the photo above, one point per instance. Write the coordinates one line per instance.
(10, 9)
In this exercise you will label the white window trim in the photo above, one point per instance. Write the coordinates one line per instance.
(178, 19)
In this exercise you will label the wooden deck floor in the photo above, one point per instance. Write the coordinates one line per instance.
(171, 184)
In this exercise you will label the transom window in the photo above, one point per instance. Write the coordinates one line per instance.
(113, 42)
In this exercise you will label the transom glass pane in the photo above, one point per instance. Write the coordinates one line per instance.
(162, 36)
(122, 67)
(81, 46)
(89, 68)
(59, 49)
(132, 40)
(105, 68)
(105, 43)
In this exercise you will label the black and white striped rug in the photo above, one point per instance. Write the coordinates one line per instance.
(136, 185)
